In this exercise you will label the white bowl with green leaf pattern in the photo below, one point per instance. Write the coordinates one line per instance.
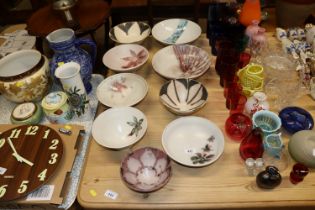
(117, 128)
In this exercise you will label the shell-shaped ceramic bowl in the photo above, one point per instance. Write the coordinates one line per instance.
(183, 96)
(146, 169)
(126, 57)
(117, 128)
(268, 121)
(181, 61)
(176, 31)
(130, 32)
(301, 147)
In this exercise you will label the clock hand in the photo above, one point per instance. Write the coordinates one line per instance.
(12, 146)
(21, 159)
(17, 156)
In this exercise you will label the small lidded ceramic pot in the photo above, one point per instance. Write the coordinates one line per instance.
(56, 107)
(27, 113)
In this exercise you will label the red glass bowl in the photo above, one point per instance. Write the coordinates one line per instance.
(237, 126)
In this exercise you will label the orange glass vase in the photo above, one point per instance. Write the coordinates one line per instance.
(250, 11)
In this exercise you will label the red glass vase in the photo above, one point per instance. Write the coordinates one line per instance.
(237, 126)
(252, 145)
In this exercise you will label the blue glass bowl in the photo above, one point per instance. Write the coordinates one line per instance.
(295, 119)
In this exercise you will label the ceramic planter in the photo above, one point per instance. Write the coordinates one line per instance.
(24, 76)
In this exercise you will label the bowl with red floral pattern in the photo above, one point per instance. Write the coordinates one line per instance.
(126, 57)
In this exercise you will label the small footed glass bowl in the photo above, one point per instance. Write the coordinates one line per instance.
(146, 169)
(268, 121)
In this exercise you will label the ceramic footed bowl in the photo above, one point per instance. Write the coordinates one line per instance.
(301, 147)
(130, 32)
(117, 128)
(24, 76)
(146, 169)
(124, 89)
(183, 96)
(176, 31)
(126, 57)
(181, 61)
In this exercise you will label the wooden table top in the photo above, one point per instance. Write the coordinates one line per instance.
(90, 14)
(223, 184)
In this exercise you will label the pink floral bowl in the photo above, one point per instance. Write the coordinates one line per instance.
(146, 169)
(126, 57)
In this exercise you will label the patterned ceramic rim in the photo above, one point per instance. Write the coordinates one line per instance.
(103, 119)
(33, 111)
(168, 168)
(180, 28)
(169, 50)
(28, 72)
(113, 37)
(188, 83)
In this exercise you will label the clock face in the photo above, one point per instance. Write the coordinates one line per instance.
(29, 154)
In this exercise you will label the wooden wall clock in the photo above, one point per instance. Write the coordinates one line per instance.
(29, 155)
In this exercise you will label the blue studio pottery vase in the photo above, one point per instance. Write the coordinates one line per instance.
(67, 48)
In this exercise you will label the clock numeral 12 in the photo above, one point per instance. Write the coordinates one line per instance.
(53, 158)
(42, 175)
(31, 130)
(15, 133)
(3, 190)
(23, 186)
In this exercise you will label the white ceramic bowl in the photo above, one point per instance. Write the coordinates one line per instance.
(183, 96)
(126, 57)
(130, 32)
(146, 169)
(193, 141)
(181, 61)
(124, 89)
(117, 128)
(176, 31)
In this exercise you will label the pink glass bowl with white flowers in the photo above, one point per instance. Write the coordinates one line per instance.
(146, 169)
(126, 57)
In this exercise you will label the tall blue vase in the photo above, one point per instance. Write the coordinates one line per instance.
(67, 48)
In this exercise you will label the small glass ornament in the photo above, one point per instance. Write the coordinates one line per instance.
(251, 146)
(269, 178)
(299, 171)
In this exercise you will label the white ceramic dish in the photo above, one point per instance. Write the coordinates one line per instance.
(193, 141)
(124, 89)
(176, 31)
(181, 61)
(126, 57)
(117, 128)
(130, 32)
(183, 96)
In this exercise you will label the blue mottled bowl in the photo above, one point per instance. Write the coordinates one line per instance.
(295, 119)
